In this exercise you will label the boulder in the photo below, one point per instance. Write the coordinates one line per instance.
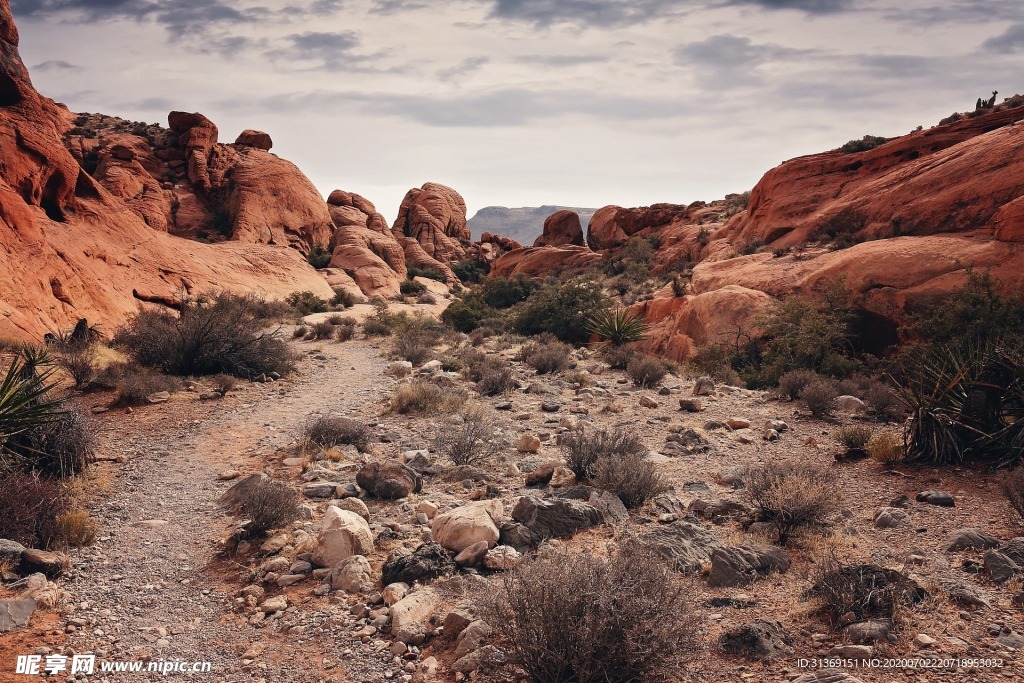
(518, 536)
(352, 575)
(541, 476)
(1014, 549)
(869, 631)
(555, 518)
(473, 555)
(254, 138)
(610, 505)
(970, 539)
(460, 528)
(1001, 568)
(501, 558)
(10, 552)
(704, 386)
(435, 217)
(759, 640)
(50, 563)
(744, 564)
(410, 616)
(687, 546)
(890, 518)
(428, 562)
(15, 613)
(342, 534)
(936, 497)
(390, 479)
(561, 228)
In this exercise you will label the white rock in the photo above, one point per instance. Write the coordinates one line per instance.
(343, 533)
(460, 528)
(352, 575)
(502, 557)
(394, 592)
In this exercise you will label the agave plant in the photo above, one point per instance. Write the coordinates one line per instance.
(619, 326)
(967, 404)
(24, 399)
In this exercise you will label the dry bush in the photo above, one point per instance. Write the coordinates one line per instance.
(222, 383)
(632, 477)
(31, 505)
(793, 382)
(423, 398)
(882, 400)
(1013, 487)
(866, 591)
(427, 299)
(320, 330)
(584, 448)
(344, 333)
(79, 361)
(646, 372)
(269, 505)
(886, 447)
(339, 319)
(61, 447)
(135, 384)
(323, 432)
(76, 528)
(792, 496)
(477, 337)
(819, 397)
(575, 618)
(210, 335)
(416, 344)
(580, 377)
(468, 438)
(618, 357)
(854, 437)
(300, 332)
(546, 355)
(496, 379)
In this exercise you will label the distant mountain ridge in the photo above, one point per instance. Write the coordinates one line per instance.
(524, 224)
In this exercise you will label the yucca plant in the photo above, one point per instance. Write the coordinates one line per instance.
(619, 326)
(24, 400)
(966, 403)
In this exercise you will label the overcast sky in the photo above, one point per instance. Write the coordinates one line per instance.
(530, 102)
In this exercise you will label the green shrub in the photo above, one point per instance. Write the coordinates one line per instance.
(306, 303)
(469, 271)
(864, 144)
(467, 313)
(415, 345)
(410, 286)
(646, 371)
(343, 298)
(319, 258)
(503, 292)
(424, 271)
(26, 403)
(209, 336)
(620, 326)
(562, 309)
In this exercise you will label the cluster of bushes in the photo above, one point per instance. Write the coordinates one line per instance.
(792, 496)
(420, 397)
(467, 438)
(614, 461)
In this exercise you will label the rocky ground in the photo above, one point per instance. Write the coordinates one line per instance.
(159, 584)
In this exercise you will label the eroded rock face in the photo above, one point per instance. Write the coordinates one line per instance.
(254, 138)
(612, 226)
(435, 216)
(541, 261)
(560, 229)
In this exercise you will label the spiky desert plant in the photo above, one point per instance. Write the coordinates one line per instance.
(24, 400)
(619, 326)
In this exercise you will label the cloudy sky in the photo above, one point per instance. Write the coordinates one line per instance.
(529, 102)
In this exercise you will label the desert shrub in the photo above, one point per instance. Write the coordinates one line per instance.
(343, 299)
(58, 447)
(882, 400)
(425, 271)
(562, 309)
(467, 438)
(423, 398)
(323, 432)
(410, 286)
(618, 357)
(339, 319)
(321, 330)
(792, 496)
(79, 361)
(300, 332)
(819, 397)
(866, 591)
(374, 327)
(854, 438)
(503, 292)
(546, 355)
(716, 361)
(344, 332)
(31, 505)
(864, 144)
(469, 271)
(306, 303)
(76, 528)
(581, 378)
(209, 336)
(467, 313)
(583, 448)
(319, 258)
(26, 401)
(886, 447)
(493, 377)
(631, 618)
(619, 326)
(135, 384)
(791, 383)
(646, 371)
(631, 477)
(416, 344)
(222, 383)
(269, 505)
(1013, 487)
(427, 299)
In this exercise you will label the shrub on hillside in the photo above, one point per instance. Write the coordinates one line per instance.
(58, 447)
(416, 344)
(467, 313)
(619, 326)
(561, 308)
(31, 505)
(323, 432)
(135, 384)
(792, 496)
(343, 299)
(646, 371)
(583, 448)
(469, 271)
(618, 357)
(209, 336)
(269, 505)
(495, 378)
(792, 382)
(865, 591)
(319, 258)
(306, 303)
(631, 477)
(375, 327)
(410, 286)
(546, 355)
(423, 398)
(819, 397)
(467, 438)
(344, 332)
(631, 618)
(503, 292)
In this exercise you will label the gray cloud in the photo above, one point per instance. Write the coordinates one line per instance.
(727, 61)
(328, 51)
(56, 65)
(463, 68)
(1011, 40)
(627, 12)
(955, 12)
(560, 61)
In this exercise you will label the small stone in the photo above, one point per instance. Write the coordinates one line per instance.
(159, 397)
(936, 497)
(394, 592)
(648, 402)
(691, 405)
(278, 603)
(528, 443)
(923, 640)
(704, 386)
(737, 423)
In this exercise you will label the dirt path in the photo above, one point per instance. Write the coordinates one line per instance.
(152, 586)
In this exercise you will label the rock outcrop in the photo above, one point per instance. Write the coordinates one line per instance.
(541, 261)
(560, 229)
(612, 226)
(434, 216)
(363, 247)
(72, 248)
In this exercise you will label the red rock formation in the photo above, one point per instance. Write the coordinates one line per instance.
(492, 247)
(561, 228)
(363, 247)
(541, 261)
(70, 249)
(254, 138)
(435, 216)
(612, 226)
